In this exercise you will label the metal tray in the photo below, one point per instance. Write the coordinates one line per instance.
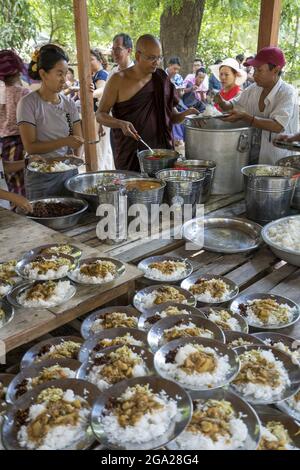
(143, 265)
(66, 159)
(143, 320)
(139, 305)
(21, 265)
(190, 281)
(86, 331)
(286, 254)
(288, 341)
(121, 268)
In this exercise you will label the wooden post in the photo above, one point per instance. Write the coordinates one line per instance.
(270, 11)
(85, 78)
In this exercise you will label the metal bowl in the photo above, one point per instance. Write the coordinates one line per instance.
(156, 332)
(233, 335)
(75, 252)
(190, 281)
(121, 268)
(8, 313)
(288, 341)
(86, 326)
(139, 305)
(143, 353)
(91, 346)
(68, 159)
(294, 162)
(292, 369)
(21, 266)
(241, 408)
(286, 254)
(174, 391)
(23, 286)
(220, 348)
(81, 388)
(33, 371)
(79, 185)
(154, 314)
(243, 325)
(143, 266)
(159, 159)
(31, 355)
(266, 414)
(244, 298)
(208, 166)
(62, 222)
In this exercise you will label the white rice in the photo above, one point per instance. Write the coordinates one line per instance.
(56, 167)
(98, 324)
(150, 426)
(78, 276)
(33, 273)
(126, 339)
(156, 274)
(4, 289)
(269, 436)
(210, 111)
(68, 373)
(197, 380)
(232, 322)
(295, 355)
(63, 290)
(205, 334)
(206, 297)
(147, 300)
(294, 404)
(266, 392)
(272, 319)
(286, 234)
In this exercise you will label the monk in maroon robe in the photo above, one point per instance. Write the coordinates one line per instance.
(142, 100)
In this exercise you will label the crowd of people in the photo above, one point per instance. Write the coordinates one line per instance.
(137, 98)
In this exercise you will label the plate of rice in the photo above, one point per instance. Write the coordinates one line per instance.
(267, 375)
(235, 339)
(197, 363)
(46, 267)
(5, 380)
(156, 295)
(291, 406)
(97, 271)
(8, 277)
(266, 311)
(6, 313)
(165, 268)
(109, 338)
(210, 289)
(169, 309)
(109, 317)
(182, 326)
(221, 421)
(62, 347)
(37, 374)
(278, 431)
(52, 416)
(225, 319)
(55, 249)
(41, 294)
(156, 412)
(284, 343)
(115, 364)
(56, 165)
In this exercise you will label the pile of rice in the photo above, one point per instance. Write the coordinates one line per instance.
(274, 436)
(285, 234)
(59, 437)
(236, 343)
(184, 330)
(223, 429)
(63, 290)
(208, 296)
(60, 270)
(55, 372)
(151, 299)
(4, 289)
(177, 270)
(57, 166)
(224, 320)
(210, 111)
(80, 277)
(149, 426)
(295, 354)
(294, 402)
(63, 350)
(267, 312)
(114, 320)
(168, 312)
(196, 380)
(261, 391)
(118, 340)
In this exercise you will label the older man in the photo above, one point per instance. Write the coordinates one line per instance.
(121, 51)
(270, 104)
(142, 100)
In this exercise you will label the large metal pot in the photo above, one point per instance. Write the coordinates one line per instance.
(151, 163)
(208, 167)
(268, 192)
(293, 162)
(228, 144)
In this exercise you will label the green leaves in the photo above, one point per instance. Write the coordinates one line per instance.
(17, 23)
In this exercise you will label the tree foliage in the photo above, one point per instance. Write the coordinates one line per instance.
(18, 23)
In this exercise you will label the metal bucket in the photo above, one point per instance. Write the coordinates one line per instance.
(151, 163)
(183, 186)
(228, 144)
(268, 192)
(146, 198)
(206, 166)
(115, 196)
(293, 162)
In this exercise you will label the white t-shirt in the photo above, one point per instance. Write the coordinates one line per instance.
(281, 104)
(116, 69)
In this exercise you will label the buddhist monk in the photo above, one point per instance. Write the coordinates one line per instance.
(142, 103)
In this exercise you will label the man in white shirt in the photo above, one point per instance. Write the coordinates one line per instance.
(121, 52)
(269, 104)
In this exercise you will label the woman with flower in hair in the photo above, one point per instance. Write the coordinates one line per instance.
(49, 122)
(11, 147)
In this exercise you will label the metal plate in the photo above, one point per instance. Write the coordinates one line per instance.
(242, 322)
(233, 335)
(244, 298)
(30, 356)
(220, 348)
(190, 281)
(287, 145)
(75, 252)
(20, 288)
(66, 159)
(146, 355)
(8, 313)
(33, 371)
(86, 325)
(119, 265)
(240, 406)
(137, 300)
(286, 254)
(81, 388)
(21, 265)
(156, 333)
(155, 311)
(143, 266)
(266, 414)
(289, 410)
(156, 384)
(288, 341)
(5, 379)
(292, 369)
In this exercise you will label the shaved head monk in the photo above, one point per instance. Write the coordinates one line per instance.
(142, 101)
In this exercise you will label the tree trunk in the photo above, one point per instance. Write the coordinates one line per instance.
(179, 32)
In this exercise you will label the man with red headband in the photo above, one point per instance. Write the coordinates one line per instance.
(269, 105)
